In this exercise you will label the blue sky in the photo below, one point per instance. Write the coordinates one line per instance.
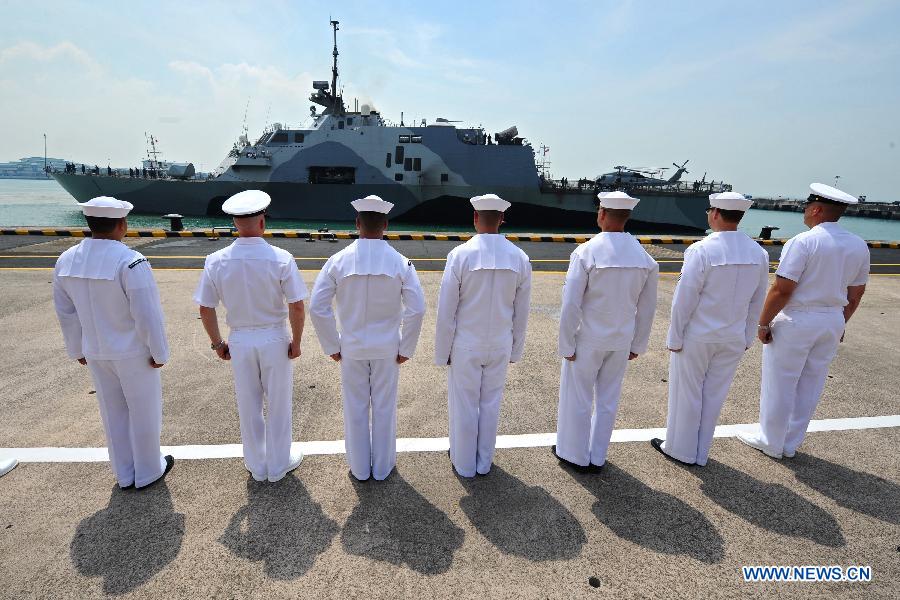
(766, 95)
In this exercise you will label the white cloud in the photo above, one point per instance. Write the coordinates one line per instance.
(92, 113)
(192, 69)
(64, 53)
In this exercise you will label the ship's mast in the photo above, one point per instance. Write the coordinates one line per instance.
(334, 69)
(543, 164)
(152, 152)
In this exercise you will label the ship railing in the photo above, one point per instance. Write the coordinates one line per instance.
(590, 186)
(123, 174)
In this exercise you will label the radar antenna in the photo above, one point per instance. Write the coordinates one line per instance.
(334, 68)
(330, 97)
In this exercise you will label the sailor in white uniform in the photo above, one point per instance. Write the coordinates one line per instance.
(818, 286)
(714, 311)
(481, 321)
(608, 303)
(260, 287)
(380, 306)
(112, 321)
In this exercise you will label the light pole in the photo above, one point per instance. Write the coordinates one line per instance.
(836, 177)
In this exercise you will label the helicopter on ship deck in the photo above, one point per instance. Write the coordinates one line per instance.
(640, 176)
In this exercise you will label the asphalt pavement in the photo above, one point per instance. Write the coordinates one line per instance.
(644, 527)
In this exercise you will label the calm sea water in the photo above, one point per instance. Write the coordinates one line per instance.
(34, 203)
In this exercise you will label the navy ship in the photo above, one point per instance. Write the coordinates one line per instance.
(428, 170)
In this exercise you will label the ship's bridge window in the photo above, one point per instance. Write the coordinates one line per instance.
(340, 124)
(417, 164)
(408, 164)
(387, 161)
(298, 138)
(404, 139)
(416, 139)
(445, 177)
(349, 121)
(398, 155)
(280, 137)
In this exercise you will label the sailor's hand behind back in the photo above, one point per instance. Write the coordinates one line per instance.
(401, 359)
(155, 364)
(294, 350)
(632, 355)
(223, 353)
(82, 361)
(336, 357)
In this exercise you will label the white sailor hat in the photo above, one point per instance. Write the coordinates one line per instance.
(617, 200)
(819, 192)
(372, 204)
(105, 206)
(489, 202)
(248, 202)
(730, 201)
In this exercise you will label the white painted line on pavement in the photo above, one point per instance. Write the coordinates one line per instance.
(441, 444)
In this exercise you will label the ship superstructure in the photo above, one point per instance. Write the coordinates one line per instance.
(428, 170)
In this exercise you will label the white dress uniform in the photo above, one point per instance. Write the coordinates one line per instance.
(380, 306)
(481, 322)
(608, 304)
(110, 313)
(715, 309)
(824, 262)
(255, 281)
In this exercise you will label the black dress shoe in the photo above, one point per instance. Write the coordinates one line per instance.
(170, 462)
(591, 468)
(354, 478)
(453, 467)
(657, 445)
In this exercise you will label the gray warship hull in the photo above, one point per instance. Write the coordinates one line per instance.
(432, 205)
(429, 172)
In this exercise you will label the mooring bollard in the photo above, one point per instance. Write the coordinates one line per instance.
(175, 223)
(766, 233)
(325, 234)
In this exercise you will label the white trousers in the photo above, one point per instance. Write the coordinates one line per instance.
(370, 415)
(263, 374)
(593, 379)
(129, 392)
(794, 368)
(699, 379)
(476, 379)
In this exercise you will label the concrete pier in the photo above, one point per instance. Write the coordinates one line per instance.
(530, 529)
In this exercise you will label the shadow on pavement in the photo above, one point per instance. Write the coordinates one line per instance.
(394, 523)
(856, 490)
(769, 506)
(519, 519)
(280, 525)
(650, 518)
(130, 540)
